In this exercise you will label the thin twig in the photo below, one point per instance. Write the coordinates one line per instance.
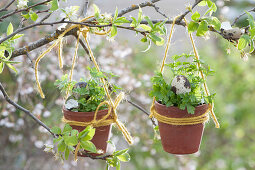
(238, 17)
(27, 112)
(21, 10)
(158, 11)
(135, 7)
(104, 157)
(7, 6)
(53, 36)
(188, 11)
(83, 46)
(30, 59)
(142, 109)
(46, 17)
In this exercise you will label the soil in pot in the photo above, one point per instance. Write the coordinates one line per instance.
(180, 139)
(102, 133)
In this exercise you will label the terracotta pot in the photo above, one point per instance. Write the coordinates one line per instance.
(180, 139)
(102, 133)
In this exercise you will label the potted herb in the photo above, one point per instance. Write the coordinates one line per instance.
(181, 104)
(82, 103)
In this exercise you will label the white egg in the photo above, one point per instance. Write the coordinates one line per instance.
(180, 85)
(71, 104)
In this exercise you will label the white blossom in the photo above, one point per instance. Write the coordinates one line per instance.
(38, 144)
(70, 13)
(22, 4)
(15, 138)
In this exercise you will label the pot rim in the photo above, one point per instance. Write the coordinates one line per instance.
(176, 112)
(162, 105)
(82, 114)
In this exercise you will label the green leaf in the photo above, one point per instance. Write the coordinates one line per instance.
(115, 14)
(9, 29)
(202, 3)
(82, 134)
(89, 146)
(216, 23)
(134, 22)
(125, 157)
(27, 16)
(252, 46)
(202, 28)
(61, 146)
(70, 140)
(144, 39)
(12, 67)
(252, 32)
(118, 166)
(195, 16)
(243, 42)
(67, 128)
(57, 139)
(145, 27)
(161, 42)
(156, 128)
(33, 16)
(251, 20)
(1, 67)
(96, 11)
(16, 36)
(121, 20)
(154, 37)
(56, 130)
(89, 135)
(193, 26)
(214, 7)
(140, 16)
(11, 62)
(117, 153)
(190, 109)
(74, 132)
(113, 31)
(67, 152)
(54, 5)
(149, 21)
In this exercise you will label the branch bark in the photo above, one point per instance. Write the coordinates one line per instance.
(22, 10)
(238, 17)
(27, 112)
(7, 6)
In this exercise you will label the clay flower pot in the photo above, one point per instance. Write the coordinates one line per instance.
(180, 139)
(101, 134)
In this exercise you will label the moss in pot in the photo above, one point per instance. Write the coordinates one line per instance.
(181, 97)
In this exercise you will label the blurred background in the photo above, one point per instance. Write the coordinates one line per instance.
(230, 147)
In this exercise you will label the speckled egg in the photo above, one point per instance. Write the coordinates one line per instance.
(80, 85)
(180, 85)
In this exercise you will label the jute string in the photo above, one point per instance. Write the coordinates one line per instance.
(188, 120)
(111, 116)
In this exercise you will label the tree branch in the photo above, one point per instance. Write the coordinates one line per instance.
(7, 6)
(21, 10)
(142, 109)
(238, 17)
(188, 11)
(104, 157)
(134, 7)
(52, 37)
(6, 97)
(158, 11)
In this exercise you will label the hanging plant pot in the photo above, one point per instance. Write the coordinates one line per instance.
(180, 139)
(102, 133)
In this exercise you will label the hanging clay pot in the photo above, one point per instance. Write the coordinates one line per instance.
(180, 139)
(102, 133)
